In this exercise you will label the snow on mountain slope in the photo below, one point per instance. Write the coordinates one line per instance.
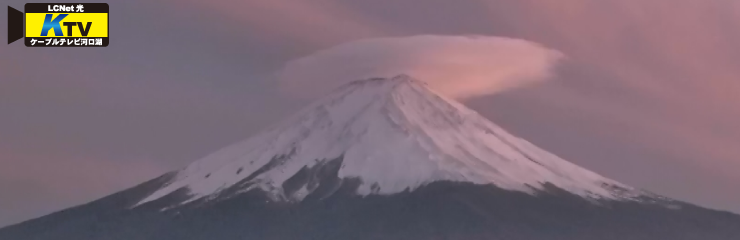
(394, 134)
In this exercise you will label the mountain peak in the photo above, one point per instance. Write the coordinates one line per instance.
(401, 78)
(382, 86)
(393, 134)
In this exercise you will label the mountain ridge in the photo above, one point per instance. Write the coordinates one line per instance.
(394, 134)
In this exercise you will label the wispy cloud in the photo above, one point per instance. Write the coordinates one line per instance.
(456, 66)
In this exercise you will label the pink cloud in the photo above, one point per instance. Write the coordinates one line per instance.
(456, 66)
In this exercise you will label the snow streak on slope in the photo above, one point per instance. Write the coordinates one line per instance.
(394, 134)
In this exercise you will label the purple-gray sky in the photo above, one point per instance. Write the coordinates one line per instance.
(649, 94)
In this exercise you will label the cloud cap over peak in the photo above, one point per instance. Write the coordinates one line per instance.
(457, 66)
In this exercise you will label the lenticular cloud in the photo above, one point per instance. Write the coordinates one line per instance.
(456, 66)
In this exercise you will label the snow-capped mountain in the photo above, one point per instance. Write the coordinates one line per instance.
(393, 134)
(383, 158)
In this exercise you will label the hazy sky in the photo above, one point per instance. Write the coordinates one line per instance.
(649, 93)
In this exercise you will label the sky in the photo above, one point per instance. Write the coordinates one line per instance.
(648, 94)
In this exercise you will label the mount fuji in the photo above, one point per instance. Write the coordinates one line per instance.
(382, 158)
